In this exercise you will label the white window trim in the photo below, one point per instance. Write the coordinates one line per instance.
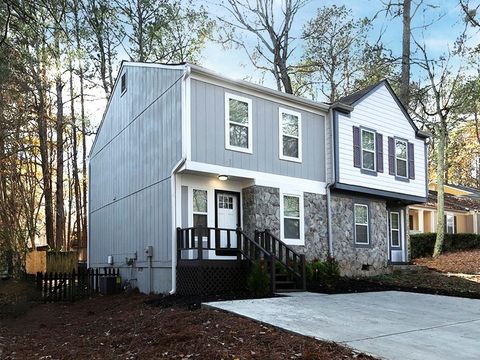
(398, 229)
(452, 216)
(282, 111)
(397, 158)
(355, 223)
(287, 241)
(191, 204)
(126, 78)
(248, 150)
(374, 151)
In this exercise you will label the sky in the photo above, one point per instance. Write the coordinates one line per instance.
(233, 63)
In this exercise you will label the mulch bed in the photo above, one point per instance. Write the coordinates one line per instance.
(465, 262)
(124, 327)
(426, 282)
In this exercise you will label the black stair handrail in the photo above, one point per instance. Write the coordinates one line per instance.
(245, 247)
(291, 260)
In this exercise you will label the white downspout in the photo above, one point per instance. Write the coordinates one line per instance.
(173, 182)
(173, 179)
(329, 221)
(330, 183)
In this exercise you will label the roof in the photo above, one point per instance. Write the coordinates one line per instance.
(474, 193)
(453, 202)
(356, 97)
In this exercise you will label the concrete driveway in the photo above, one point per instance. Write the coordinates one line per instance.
(390, 325)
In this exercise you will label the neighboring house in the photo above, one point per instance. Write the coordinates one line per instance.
(184, 154)
(462, 211)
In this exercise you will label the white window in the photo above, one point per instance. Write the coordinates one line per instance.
(395, 229)
(361, 224)
(123, 83)
(290, 135)
(200, 208)
(450, 223)
(292, 219)
(400, 158)
(238, 123)
(368, 150)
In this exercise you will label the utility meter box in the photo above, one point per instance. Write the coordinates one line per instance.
(149, 251)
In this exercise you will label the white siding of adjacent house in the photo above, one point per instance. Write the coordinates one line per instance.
(379, 111)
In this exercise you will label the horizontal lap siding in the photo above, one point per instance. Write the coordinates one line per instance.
(208, 135)
(380, 112)
(130, 189)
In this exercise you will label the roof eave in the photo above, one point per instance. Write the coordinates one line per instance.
(245, 84)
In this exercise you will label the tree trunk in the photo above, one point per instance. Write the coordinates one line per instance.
(405, 76)
(60, 212)
(76, 180)
(83, 243)
(39, 75)
(440, 190)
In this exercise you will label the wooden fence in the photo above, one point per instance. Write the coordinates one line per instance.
(72, 286)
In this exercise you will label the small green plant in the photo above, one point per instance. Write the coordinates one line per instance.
(258, 281)
(325, 271)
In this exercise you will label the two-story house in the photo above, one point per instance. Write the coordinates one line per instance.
(190, 168)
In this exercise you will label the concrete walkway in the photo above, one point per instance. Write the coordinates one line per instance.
(390, 325)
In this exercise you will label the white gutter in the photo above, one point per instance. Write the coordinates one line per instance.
(329, 221)
(173, 181)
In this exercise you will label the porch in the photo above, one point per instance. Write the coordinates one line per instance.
(212, 260)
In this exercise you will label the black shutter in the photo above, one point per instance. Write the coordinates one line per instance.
(454, 224)
(379, 148)
(411, 161)
(356, 147)
(391, 155)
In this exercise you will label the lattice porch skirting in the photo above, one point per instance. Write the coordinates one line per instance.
(211, 277)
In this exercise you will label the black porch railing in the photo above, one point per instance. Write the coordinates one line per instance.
(206, 243)
(292, 262)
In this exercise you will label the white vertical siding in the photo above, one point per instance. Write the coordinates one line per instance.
(379, 111)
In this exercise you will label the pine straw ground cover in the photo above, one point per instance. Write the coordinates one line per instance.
(124, 327)
(465, 262)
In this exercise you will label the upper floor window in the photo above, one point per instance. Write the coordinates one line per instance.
(401, 158)
(200, 209)
(290, 140)
(123, 83)
(292, 215)
(368, 150)
(238, 123)
(361, 224)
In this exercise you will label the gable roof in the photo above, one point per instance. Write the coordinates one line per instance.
(454, 202)
(355, 98)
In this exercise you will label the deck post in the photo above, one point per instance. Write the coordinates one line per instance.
(272, 273)
(303, 272)
(199, 243)
(179, 243)
(239, 247)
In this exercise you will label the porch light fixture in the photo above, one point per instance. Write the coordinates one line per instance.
(222, 177)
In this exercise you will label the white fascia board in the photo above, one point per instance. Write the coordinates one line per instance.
(260, 178)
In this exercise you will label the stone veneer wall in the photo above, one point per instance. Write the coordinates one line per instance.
(351, 257)
(315, 227)
(261, 210)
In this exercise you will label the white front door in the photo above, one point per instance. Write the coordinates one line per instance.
(227, 216)
(396, 227)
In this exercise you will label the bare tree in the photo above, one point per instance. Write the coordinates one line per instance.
(272, 33)
(436, 103)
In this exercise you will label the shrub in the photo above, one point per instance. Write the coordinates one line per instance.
(258, 281)
(324, 271)
(423, 244)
